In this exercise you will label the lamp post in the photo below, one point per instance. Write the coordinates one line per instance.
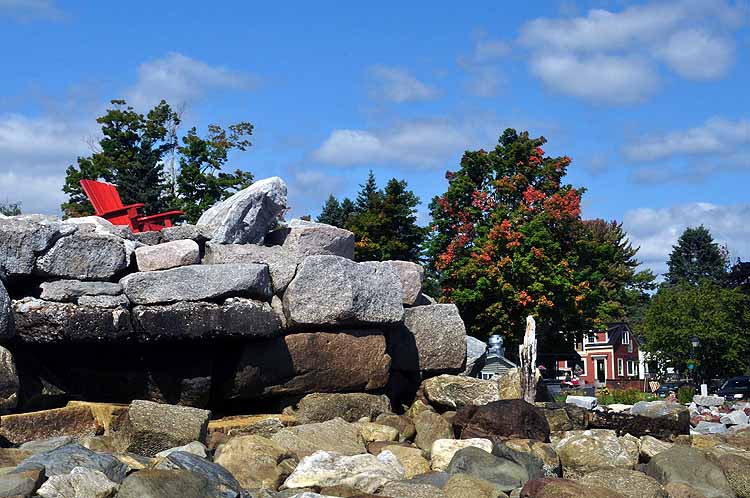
(695, 343)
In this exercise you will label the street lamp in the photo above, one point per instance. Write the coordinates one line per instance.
(695, 342)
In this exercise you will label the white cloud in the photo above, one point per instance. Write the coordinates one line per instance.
(601, 78)
(596, 56)
(180, 79)
(37, 193)
(417, 143)
(308, 190)
(716, 136)
(657, 230)
(485, 79)
(26, 10)
(398, 85)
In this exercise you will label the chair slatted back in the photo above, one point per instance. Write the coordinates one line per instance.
(103, 196)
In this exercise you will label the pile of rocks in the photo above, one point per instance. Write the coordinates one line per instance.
(712, 415)
(236, 308)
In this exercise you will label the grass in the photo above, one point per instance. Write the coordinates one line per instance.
(622, 396)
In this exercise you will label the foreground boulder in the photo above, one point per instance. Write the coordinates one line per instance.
(331, 290)
(255, 461)
(298, 364)
(22, 239)
(158, 483)
(9, 383)
(221, 482)
(432, 340)
(365, 473)
(78, 421)
(689, 466)
(70, 290)
(585, 451)
(198, 283)
(245, 217)
(550, 487)
(335, 435)
(513, 418)
(167, 255)
(443, 450)
(6, 316)
(152, 427)
(80, 482)
(506, 469)
(630, 483)
(662, 427)
(62, 461)
(412, 277)
(454, 391)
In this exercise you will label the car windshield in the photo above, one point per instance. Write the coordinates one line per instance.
(739, 382)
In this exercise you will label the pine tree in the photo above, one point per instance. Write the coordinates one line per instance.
(368, 194)
(331, 212)
(696, 257)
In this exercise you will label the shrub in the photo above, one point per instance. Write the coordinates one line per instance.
(685, 394)
(622, 396)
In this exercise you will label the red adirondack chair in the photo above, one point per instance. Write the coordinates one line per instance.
(108, 205)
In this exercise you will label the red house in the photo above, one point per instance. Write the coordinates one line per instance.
(610, 356)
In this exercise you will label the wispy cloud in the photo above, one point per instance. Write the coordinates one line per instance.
(180, 79)
(398, 85)
(29, 10)
(485, 77)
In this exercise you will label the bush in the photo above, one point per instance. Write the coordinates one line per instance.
(685, 394)
(622, 396)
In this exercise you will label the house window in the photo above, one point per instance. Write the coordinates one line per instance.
(626, 337)
(591, 338)
(632, 368)
(486, 376)
(620, 367)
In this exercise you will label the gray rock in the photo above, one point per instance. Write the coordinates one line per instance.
(335, 435)
(21, 484)
(45, 445)
(148, 238)
(430, 427)
(432, 340)
(168, 255)
(158, 483)
(705, 427)
(220, 480)
(197, 233)
(476, 354)
(153, 427)
(630, 483)
(281, 264)
(46, 322)
(505, 468)
(119, 301)
(585, 402)
(366, 473)
(237, 317)
(331, 290)
(595, 449)
(685, 465)
(255, 461)
(198, 283)
(85, 256)
(245, 217)
(319, 407)
(80, 483)
(23, 239)
(98, 225)
(196, 448)
(708, 400)
(658, 409)
(69, 290)
(308, 238)
(411, 276)
(457, 391)
(9, 384)
(409, 489)
(62, 461)
(6, 316)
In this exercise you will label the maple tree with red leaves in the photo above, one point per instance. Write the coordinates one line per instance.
(507, 241)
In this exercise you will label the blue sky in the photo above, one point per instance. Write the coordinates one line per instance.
(650, 99)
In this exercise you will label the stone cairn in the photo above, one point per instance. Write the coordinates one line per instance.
(246, 358)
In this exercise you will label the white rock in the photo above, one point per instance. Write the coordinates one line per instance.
(309, 238)
(650, 446)
(587, 402)
(442, 450)
(168, 255)
(708, 400)
(195, 448)
(365, 472)
(619, 408)
(736, 417)
(704, 427)
(80, 483)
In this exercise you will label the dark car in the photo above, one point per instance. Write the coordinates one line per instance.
(668, 387)
(735, 388)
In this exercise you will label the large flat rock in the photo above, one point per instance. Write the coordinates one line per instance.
(198, 283)
(331, 290)
(71, 290)
(432, 340)
(281, 263)
(236, 317)
(22, 239)
(85, 256)
(308, 238)
(245, 217)
(345, 361)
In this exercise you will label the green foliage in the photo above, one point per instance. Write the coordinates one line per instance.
(130, 155)
(718, 316)
(623, 396)
(509, 242)
(10, 208)
(685, 394)
(384, 222)
(133, 150)
(696, 257)
(200, 181)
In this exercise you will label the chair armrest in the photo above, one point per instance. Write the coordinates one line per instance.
(161, 216)
(122, 210)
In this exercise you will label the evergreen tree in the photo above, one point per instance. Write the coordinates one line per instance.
(331, 212)
(695, 257)
(10, 208)
(130, 155)
(200, 181)
(347, 211)
(368, 194)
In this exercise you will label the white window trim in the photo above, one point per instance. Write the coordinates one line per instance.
(620, 367)
(631, 368)
(626, 337)
(606, 367)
